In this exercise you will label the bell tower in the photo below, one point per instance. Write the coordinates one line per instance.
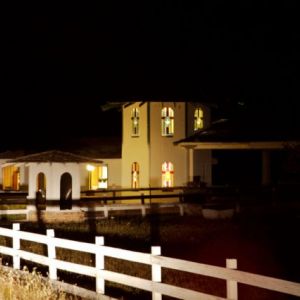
(149, 156)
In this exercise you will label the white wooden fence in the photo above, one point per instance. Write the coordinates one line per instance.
(157, 262)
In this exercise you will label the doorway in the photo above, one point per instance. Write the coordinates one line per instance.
(66, 191)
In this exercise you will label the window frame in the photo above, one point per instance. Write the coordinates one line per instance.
(167, 115)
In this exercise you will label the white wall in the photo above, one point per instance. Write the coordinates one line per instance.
(53, 172)
(162, 148)
(114, 171)
(135, 149)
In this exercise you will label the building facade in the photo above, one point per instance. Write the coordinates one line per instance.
(149, 156)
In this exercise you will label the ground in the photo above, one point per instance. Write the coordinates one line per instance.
(263, 242)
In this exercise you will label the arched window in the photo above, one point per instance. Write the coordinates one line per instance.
(198, 119)
(167, 171)
(41, 182)
(135, 175)
(167, 121)
(135, 122)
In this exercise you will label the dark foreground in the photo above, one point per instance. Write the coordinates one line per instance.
(263, 242)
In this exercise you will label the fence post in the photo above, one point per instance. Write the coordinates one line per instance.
(142, 198)
(181, 209)
(232, 288)
(105, 211)
(51, 254)
(99, 259)
(16, 246)
(156, 272)
(143, 210)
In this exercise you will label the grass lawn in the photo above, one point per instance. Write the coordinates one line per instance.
(264, 244)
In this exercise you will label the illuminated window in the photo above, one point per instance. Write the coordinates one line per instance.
(103, 178)
(198, 119)
(167, 121)
(167, 171)
(11, 178)
(135, 175)
(135, 122)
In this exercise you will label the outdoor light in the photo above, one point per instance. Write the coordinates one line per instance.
(90, 168)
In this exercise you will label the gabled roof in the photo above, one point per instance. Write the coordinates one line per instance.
(54, 156)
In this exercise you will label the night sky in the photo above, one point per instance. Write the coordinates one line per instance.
(60, 63)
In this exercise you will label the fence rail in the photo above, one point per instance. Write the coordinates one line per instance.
(154, 259)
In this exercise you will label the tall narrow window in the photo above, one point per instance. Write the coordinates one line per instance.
(167, 171)
(135, 122)
(198, 119)
(135, 175)
(167, 121)
(103, 178)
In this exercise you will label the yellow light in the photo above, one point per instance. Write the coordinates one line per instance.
(90, 168)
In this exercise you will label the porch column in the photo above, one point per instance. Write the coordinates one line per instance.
(266, 168)
(190, 164)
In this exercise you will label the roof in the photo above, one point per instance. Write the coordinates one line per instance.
(225, 130)
(54, 156)
(11, 154)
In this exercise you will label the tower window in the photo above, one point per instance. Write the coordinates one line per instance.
(135, 175)
(135, 122)
(198, 119)
(167, 121)
(167, 170)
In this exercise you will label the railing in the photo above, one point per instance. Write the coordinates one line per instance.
(102, 201)
(154, 259)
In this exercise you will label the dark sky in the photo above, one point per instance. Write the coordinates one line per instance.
(61, 62)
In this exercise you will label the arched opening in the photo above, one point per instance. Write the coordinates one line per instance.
(135, 175)
(167, 170)
(66, 191)
(135, 120)
(41, 190)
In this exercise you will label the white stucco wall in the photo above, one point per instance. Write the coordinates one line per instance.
(162, 148)
(135, 149)
(53, 173)
(114, 171)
